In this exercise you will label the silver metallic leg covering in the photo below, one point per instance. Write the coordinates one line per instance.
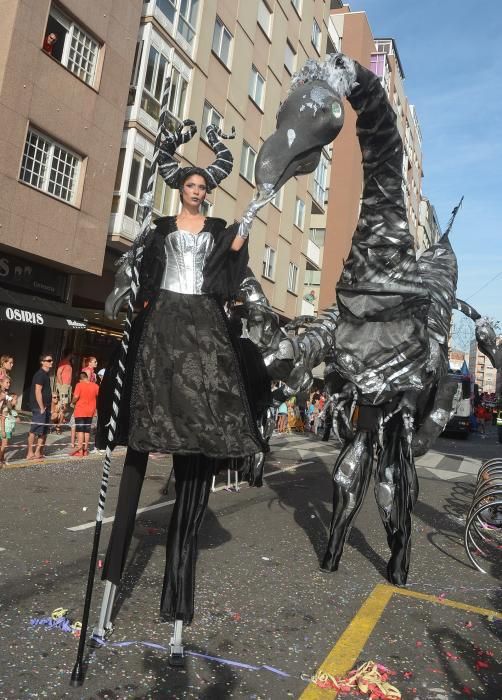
(351, 477)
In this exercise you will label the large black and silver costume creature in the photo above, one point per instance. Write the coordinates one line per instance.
(388, 349)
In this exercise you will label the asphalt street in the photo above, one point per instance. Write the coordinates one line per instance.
(266, 616)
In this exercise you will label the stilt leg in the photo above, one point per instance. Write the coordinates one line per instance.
(396, 491)
(213, 482)
(193, 474)
(105, 626)
(131, 483)
(176, 649)
(237, 481)
(229, 481)
(351, 477)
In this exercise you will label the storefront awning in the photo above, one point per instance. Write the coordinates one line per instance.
(25, 308)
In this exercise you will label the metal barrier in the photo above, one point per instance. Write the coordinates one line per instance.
(483, 528)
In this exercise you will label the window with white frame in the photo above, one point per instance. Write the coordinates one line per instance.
(269, 262)
(248, 160)
(138, 180)
(300, 213)
(118, 181)
(277, 200)
(151, 96)
(210, 116)
(135, 73)
(292, 277)
(317, 236)
(256, 87)
(316, 36)
(165, 199)
(72, 46)
(264, 17)
(187, 20)
(297, 4)
(222, 42)
(168, 9)
(50, 167)
(181, 16)
(290, 58)
(321, 180)
(156, 71)
(178, 91)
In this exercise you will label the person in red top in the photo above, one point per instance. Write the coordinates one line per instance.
(84, 399)
(90, 368)
(49, 42)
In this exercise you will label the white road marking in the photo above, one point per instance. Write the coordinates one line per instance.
(155, 506)
(443, 473)
(2, 549)
(431, 459)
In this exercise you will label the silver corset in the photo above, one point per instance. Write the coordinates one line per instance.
(186, 254)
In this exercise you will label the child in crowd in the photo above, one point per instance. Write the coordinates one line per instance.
(57, 413)
(85, 400)
(8, 420)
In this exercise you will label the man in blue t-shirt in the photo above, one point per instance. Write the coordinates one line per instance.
(40, 404)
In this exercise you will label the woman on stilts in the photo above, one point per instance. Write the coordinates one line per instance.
(186, 389)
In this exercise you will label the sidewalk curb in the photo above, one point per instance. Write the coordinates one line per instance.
(56, 459)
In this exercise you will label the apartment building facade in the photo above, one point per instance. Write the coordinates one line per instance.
(64, 78)
(480, 367)
(230, 65)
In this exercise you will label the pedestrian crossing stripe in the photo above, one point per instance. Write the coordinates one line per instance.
(442, 466)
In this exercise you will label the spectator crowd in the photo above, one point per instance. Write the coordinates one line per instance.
(54, 400)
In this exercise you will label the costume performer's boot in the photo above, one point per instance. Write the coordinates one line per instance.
(193, 475)
(396, 491)
(351, 477)
(131, 483)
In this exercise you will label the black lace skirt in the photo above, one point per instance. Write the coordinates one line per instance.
(188, 393)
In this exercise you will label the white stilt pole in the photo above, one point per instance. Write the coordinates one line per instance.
(176, 652)
(105, 625)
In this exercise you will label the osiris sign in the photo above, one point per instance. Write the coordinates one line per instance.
(24, 316)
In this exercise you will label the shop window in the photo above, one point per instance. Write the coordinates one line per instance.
(222, 42)
(71, 45)
(50, 167)
(248, 160)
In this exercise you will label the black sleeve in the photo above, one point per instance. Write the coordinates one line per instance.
(225, 269)
(152, 267)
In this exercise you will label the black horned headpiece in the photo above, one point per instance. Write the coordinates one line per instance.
(171, 170)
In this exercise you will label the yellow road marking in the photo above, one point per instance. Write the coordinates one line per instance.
(342, 658)
(345, 652)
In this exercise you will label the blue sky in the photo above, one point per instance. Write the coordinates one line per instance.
(450, 52)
